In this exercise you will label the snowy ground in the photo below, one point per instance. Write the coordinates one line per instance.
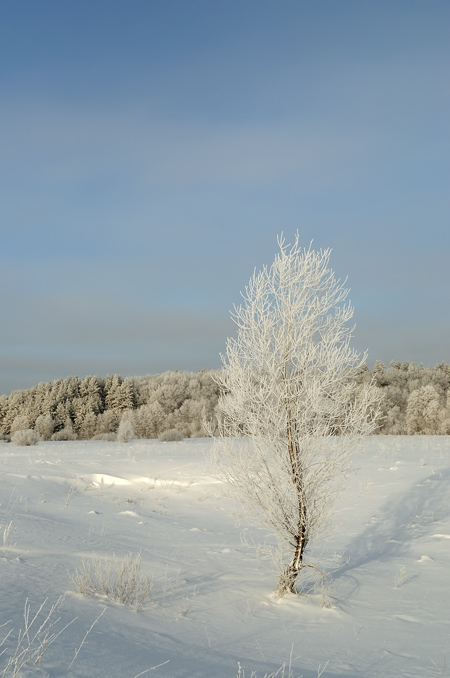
(211, 605)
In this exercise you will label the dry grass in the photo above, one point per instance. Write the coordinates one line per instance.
(40, 630)
(118, 580)
(285, 671)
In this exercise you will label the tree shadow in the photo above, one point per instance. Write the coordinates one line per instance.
(400, 520)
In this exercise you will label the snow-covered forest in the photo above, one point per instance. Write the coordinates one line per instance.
(416, 400)
(67, 409)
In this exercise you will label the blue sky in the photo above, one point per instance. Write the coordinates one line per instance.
(152, 151)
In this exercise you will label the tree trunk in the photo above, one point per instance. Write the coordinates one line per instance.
(293, 569)
(301, 538)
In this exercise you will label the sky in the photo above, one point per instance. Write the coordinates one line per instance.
(150, 153)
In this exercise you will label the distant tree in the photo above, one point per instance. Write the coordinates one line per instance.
(62, 413)
(125, 432)
(172, 390)
(45, 425)
(188, 418)
(113, 397)
(4, 404)
(88, 427)
(127, 394)
(422, 414)
(444, 428)
(379, 374)
(107, 422)
(91, 390)
(20, 423)
(149, 420)
(14, 409)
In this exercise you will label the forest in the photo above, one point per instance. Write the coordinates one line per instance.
(416, 400)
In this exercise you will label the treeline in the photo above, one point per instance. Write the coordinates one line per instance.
(416, 400)
(73, 408)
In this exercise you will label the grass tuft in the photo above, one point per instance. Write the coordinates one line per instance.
(118, 580)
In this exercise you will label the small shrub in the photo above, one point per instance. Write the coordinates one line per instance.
(109, 437)
(64, 434)
(4, 439)
(25, 437)
(171, 435)
(118, 580)
(125, 432)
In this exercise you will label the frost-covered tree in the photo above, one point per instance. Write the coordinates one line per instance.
(188, 418)
(149, 420)
(20, 423)
(88, 427)
(422, 413)
(107, 422)
(291, 408)
(4, 406)
(127, 394)
(444, 427)
(172, 390)
(113, 398)
(62, 413)
(91, 389)
(379, 374)
(125, 432)
(45, 425)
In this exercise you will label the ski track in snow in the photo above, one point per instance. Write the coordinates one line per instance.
(212, 604)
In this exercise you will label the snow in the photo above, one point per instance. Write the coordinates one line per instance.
(212, 604)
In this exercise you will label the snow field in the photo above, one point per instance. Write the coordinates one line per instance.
(211, 604)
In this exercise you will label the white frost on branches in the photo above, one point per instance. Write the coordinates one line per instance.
(288, 386)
